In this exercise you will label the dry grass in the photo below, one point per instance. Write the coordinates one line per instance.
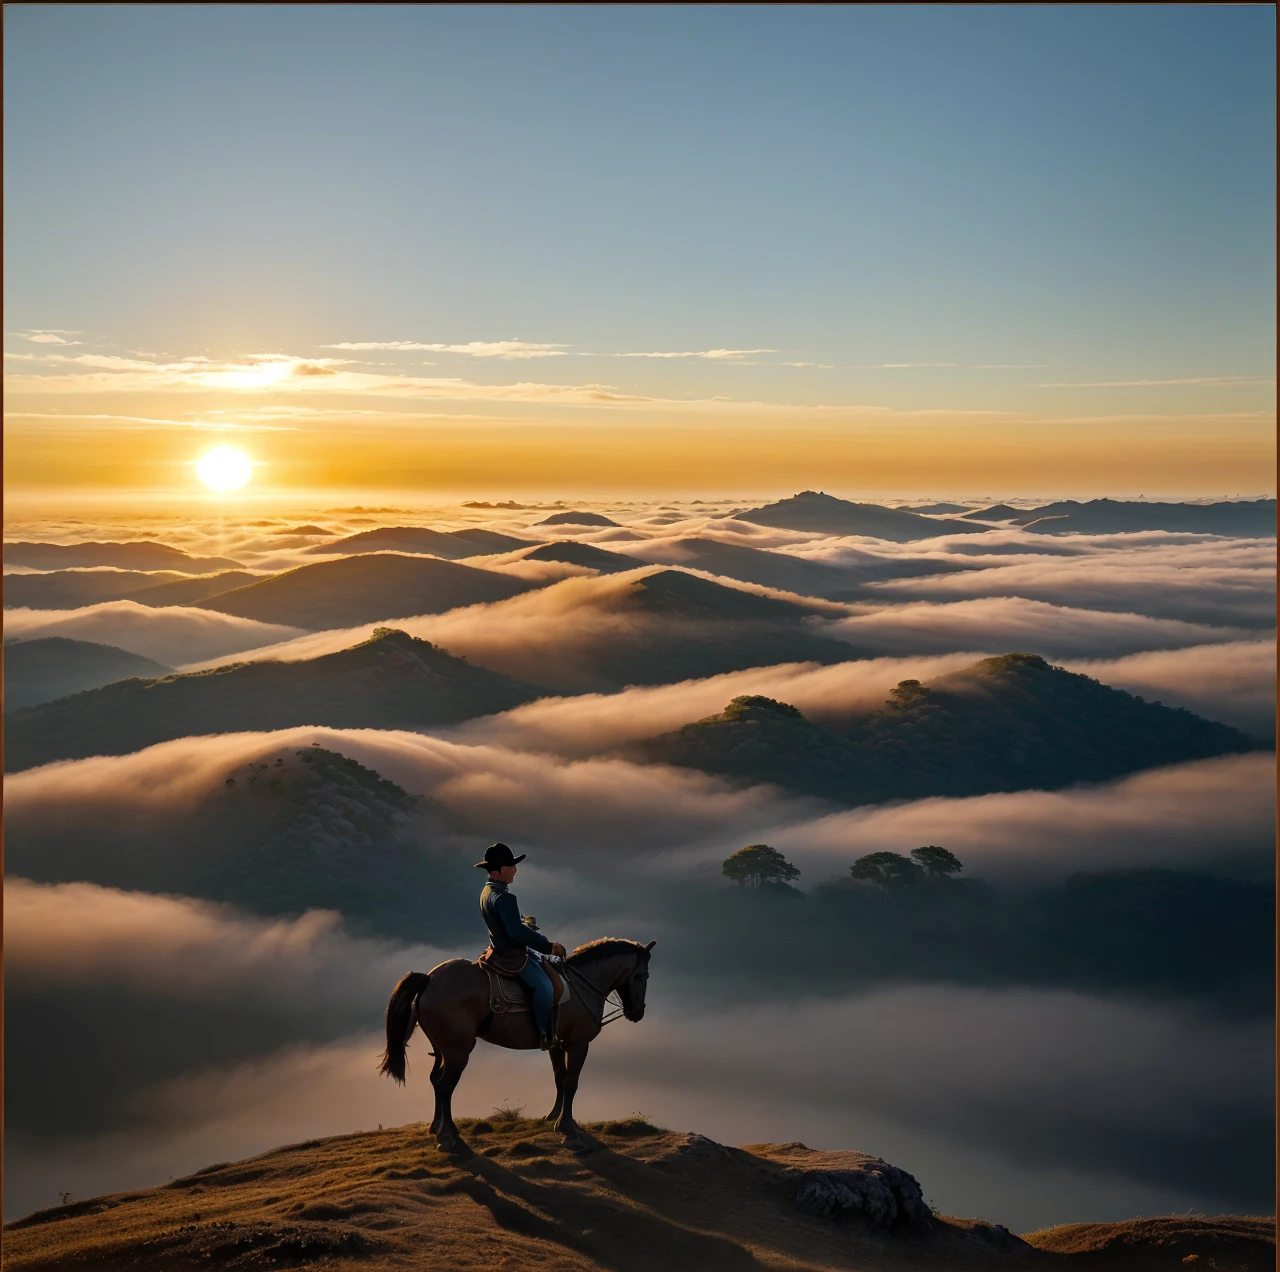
(1187, 1243)
(637, 1198)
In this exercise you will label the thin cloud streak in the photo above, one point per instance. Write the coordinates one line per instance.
(475, 348)
(1143, 384)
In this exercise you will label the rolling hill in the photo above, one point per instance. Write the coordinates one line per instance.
(574, 553)
(70, 589)
(297, 829)
(1007, 723)
(450, 544)
(364, 589)
(52, 667)
(632, 1198)
(390, 681)
(785, 572)
(812, 510)
(641, 627)
(188, 591)
(577, 519)
(1112, 516)
(138, 555)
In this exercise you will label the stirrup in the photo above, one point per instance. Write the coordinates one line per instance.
(548, 1041)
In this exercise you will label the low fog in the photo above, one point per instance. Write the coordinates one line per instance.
(611, 818)
(172, 635)
(1077, 1028)
(967, 1088)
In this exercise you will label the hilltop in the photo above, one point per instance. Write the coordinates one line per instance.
(576, 519)
(813, 510)
(571, 552)
(390, 681)
(633, 1199)
(364, 589)
(683, 627)
(450, 544)
(296, 829)
(1007, 723)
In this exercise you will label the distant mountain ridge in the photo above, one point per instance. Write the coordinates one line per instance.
(135, 555)
(389, 681)
(1113, 516)
(71, 589)
(1008, 723)
(813, 510)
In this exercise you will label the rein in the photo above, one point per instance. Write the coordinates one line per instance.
(602, 993)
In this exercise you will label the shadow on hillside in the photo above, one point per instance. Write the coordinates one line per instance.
(635, 1238)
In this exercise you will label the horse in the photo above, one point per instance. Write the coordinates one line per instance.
(450, 1004)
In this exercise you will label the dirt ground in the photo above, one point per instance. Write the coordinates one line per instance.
(635, 1199)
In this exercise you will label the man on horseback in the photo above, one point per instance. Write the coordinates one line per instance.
(513, 941)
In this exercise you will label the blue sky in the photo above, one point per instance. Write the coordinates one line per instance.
(1029, 197)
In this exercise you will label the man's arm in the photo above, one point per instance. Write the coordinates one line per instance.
(508, 911)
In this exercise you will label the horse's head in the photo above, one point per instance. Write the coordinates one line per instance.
(631, 989)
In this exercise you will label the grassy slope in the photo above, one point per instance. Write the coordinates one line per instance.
(638, 1199)
(1187, 1243)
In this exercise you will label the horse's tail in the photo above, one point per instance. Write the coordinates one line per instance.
(400, 1023)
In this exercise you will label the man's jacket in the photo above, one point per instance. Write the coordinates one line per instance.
(501, 914)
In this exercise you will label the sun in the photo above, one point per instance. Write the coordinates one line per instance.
(224, 468)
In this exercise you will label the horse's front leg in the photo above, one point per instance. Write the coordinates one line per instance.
(557, 1068)
(574, 1058)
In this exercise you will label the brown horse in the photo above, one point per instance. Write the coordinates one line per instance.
(451, 1004)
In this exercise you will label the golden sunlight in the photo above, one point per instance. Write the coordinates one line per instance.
(224, 468)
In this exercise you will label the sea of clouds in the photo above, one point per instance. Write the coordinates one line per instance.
(150, 1035)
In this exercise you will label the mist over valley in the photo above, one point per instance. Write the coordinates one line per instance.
(213, 770)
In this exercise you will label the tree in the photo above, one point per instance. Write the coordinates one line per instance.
(937, 862)
(757, 865)
(888, 869)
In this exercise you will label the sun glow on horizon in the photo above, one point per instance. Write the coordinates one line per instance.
(224, 468)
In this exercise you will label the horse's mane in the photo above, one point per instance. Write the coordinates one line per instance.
(603, 947)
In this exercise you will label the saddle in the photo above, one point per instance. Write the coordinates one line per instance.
(507, 993)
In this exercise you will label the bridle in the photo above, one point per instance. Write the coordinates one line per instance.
(602, 994)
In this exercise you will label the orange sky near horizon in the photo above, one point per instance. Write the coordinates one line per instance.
(695, 452)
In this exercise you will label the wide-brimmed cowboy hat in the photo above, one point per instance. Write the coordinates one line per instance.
(498, 855)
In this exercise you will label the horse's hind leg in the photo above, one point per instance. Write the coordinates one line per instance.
(452, 1060)
(436, 1066)
(557, 1068)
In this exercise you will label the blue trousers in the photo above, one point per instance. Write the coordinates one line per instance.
(543, 995)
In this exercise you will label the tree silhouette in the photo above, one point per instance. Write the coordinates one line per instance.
(937, 862)
(758, 864)
(888, 869)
